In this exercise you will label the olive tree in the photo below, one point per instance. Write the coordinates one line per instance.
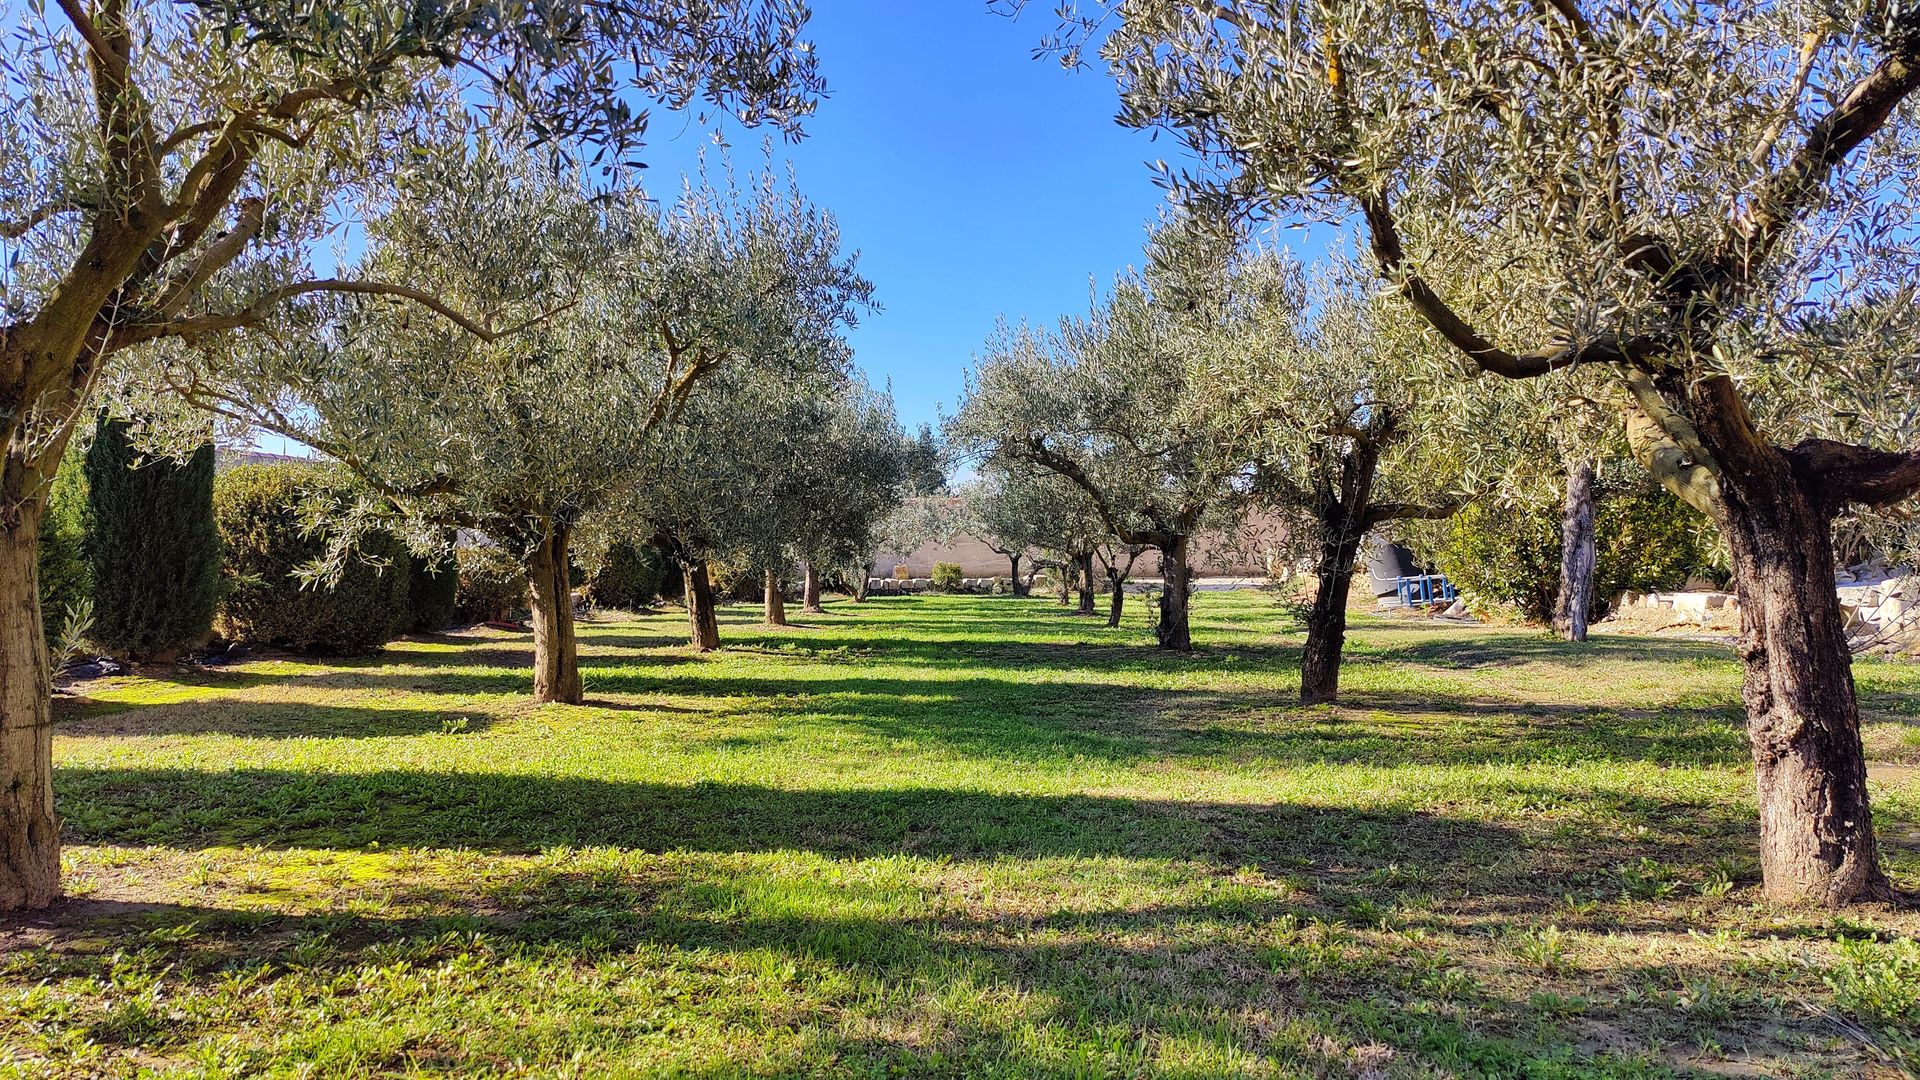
(1120, 402)
(851, 474)
(1690, 189)
(1363, 425)
(171, 167)
(624, 307)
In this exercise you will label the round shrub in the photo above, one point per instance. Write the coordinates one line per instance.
(259, 510)
(492, 584)
(1509, 555)
(629, 578)
(945, 576)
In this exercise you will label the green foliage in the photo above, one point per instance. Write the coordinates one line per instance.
(492, 584)
(433, 591)
(267, 517)
(1878, 981)
(1509, 554)
(152, 551)
(946, 576)
(65, 578)
(630, 576)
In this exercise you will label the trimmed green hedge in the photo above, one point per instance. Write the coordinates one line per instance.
(152, 548)
(258, 508)
(492, 584)
(435, 592)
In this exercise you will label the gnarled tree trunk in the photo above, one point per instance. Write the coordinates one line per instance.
(1327, 618)
(1803, 719)
(1083, 565)
(776, 600)
(1575, 600)
(556, 654)
(703, 622)
(810, 589)
(1174, 631)
(1117, 596)
(29, 832)
(1019, 587)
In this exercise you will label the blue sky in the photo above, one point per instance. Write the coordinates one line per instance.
(974, 180)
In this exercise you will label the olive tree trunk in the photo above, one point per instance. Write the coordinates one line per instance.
(810, 590)
(29, 832)
(1174, 631)
(1803, 719)
(556, 653)
(1019, 587)
(776, 600)
(1083, 566)
(1574, 603)
(1116, 597)
(1340, 541)
(703, 623)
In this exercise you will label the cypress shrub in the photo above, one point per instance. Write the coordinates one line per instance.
(630, 578)
(65, 580)
(435, 585)
(259, 508)
(152, 550)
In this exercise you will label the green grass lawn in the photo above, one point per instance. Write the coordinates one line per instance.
(952, 836)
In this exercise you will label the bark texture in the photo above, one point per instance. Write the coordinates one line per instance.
(1083, 569)
(1574, 603)
(776, 600)
(703, 624)
(1019, 585)
(1803, 718)
(1175, 631)
(1116, 597)
(810, 590)
(556, 652)
(29, 832)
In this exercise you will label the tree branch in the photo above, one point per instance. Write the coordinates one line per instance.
(14, 228)
(1787, 194)
(255, 313)
(1401, 511)
(1837, 473)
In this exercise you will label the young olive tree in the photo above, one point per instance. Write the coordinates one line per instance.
(623, 309)
(1013, 510)
(848, 478)
(170, 166)
(1122, 403)
(726, 478)
(1690, 189)
(1363, 425)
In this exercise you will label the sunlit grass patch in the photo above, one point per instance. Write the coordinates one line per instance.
(948, 836)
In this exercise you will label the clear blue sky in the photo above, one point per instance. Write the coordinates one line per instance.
(974, 180)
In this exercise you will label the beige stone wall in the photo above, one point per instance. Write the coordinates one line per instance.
(978, 560)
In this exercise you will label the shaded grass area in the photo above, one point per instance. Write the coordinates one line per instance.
(951, 836)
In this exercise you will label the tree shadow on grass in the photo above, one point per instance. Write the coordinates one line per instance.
(264, 720)
(514, 813)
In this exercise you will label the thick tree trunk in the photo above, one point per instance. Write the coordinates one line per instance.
(1084, 563)
(1065, 569)
(862, 586)
(1174, 631)
(29, 832)
(1803, 720)
(703, 623)
(1018, 586)
(556, 653)
(776, 600)
(1327, 619)
(1117, 598)
(1574, 603)
(810, 590)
